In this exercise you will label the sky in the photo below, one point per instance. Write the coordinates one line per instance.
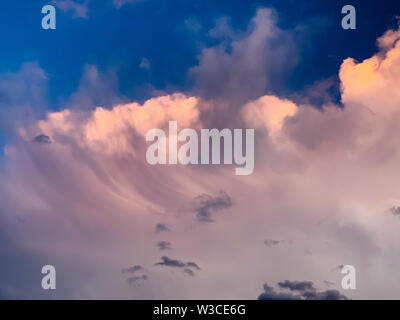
(77, 193)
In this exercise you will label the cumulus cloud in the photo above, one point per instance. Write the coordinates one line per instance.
(243, 64)
(268, 112)
(93, 195)
(96, 88)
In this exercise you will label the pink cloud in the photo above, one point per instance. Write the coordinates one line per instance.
(324, 179)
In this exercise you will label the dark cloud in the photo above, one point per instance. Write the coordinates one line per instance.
(137, 279)
(42, 138)
(296, 285)
(160, 227)
(270, 294)
(170, 262)
(132, 269)
(324, 295)
(205, 204)
(299, 290)
(166, 261)
(164, 245)
(395, 210)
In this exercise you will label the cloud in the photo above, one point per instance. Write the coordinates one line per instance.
(161, 227)
(164, 245)
(137, 280)
(272, 242)
(193, 265)
(22, 96)
(79, 10)
(93, 194)
(205, 204)
(304, 290)
(296, 285)
(270, 294)
(189, 272)
(243, 64)
(389, 39)
(168, 262)
(132, 269)
(42, 138)
(96, 88)
(268, 112)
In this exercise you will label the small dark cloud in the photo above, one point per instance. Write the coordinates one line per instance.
(272, 242)
(189, 272)
(132, 269)
(168, 262)
(296, 285)
(299, 290)
(42, 138)
(395, 210)
(161, 227)
(137, 279)
(164, 245)
(205, 204)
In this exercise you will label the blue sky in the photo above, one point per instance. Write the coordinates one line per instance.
(170, 33)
